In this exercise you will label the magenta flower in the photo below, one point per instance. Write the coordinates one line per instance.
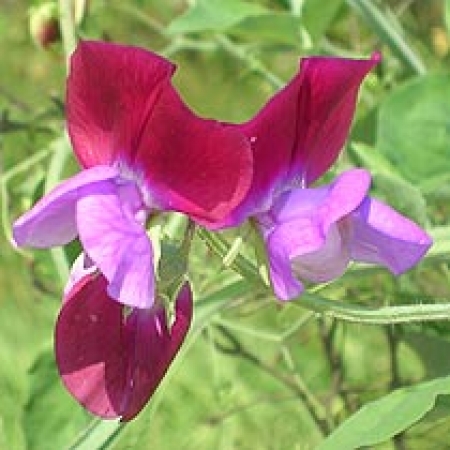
(110, 361)
(312, 234)
(142, 151)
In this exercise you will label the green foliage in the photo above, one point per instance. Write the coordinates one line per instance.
(380, 420)
(318, 15)
(414, 128)
(47, 394)
(215, 15)
(389, 182)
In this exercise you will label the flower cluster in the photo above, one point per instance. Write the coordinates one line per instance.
(142, 152)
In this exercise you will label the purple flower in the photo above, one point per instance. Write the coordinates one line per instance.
(142, 151)
(312, 234)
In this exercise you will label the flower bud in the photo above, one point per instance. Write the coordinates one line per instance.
(44, 25)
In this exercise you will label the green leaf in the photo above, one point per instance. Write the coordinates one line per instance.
(61, 153)
(317, 16)
(389, 31)
(214, 15)
(414, 128)
(400, 193)
(99, 435)
(447, 15)
(275, 28)
(370, 157)
(380, 420)
(52, 418)
(430, 349)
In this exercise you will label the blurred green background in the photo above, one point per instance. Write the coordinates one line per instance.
(254, 374)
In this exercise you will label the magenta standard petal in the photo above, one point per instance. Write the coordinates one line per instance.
(117, 244)
(299, 133)
(110, 362)
(381, 235)
(196, 166)
(52, 221)
(111, 91)
(305, 234)
(327, 90)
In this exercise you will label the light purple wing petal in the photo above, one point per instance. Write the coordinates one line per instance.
(308, 236)
(327, 203)
(327, 262)
(303, 249)
(118, 245)
(112, 363)
(383, 236)
(52, 221)
(284, 283)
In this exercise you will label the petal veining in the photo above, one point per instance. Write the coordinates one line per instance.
(111, 91)
(299, 133)
(193, 165)
(117, 244)
(112, 362)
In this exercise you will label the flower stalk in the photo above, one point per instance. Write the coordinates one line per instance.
(67, 25)
(385, 315)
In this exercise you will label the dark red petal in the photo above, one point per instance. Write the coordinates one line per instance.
(90, 347)
(298, 134)
(110, 363)
(111, 90)
(151, 349)
(196, 166)
(327, 94)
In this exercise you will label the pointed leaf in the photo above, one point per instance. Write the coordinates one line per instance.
(216, 15)
(380, 420)
(409, 131)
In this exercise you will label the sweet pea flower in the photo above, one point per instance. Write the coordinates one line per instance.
(312, 233)
(141, 151)
(110, 361)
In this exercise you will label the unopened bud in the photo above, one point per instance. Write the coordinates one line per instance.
(44, 24)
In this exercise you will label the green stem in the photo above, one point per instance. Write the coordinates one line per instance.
(221, 247)
(388, 33)
(254, 64)
(67, 25)
(385, 315)
(349, 312)
(24, 166)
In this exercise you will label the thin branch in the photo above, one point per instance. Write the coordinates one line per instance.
(236, 349)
